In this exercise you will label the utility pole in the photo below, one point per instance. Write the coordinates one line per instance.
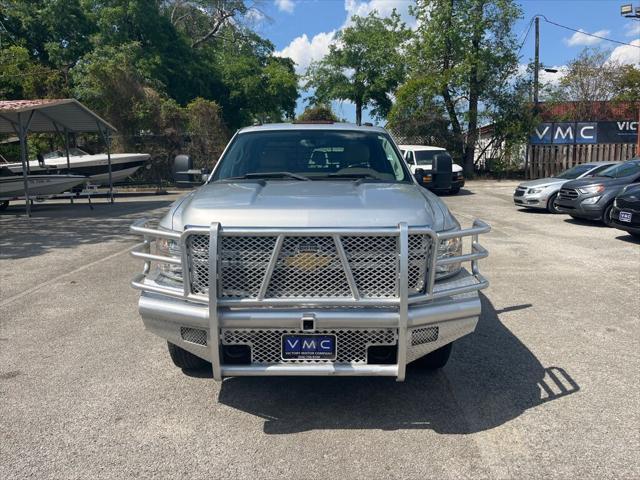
(628, 11)
(536, 66)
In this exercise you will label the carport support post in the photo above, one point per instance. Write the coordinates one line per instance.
(22, 135)
(66, 148)
(106, 138)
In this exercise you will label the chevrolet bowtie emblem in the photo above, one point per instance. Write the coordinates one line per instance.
(307, 261)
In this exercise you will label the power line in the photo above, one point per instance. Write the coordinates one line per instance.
(587, 33)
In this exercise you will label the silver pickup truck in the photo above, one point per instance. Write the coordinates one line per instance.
(310, 250)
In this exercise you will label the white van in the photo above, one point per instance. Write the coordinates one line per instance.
(421, 156)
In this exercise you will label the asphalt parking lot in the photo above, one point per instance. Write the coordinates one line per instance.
(548, 386)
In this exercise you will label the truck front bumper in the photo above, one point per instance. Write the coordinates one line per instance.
(429, 327)
(404, 327)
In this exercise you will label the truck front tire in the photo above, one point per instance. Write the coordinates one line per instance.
(434, 360)
(185, 360)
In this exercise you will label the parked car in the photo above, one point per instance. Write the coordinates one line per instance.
(311, 250)
(625, 213)
(592, 198)
(542, 193)
(421, 156)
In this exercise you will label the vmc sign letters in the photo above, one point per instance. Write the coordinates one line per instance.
(563, 133)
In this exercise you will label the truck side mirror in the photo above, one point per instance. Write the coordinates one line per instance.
(442, 171)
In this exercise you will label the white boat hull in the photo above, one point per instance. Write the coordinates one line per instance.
(39, 185)
(95, 167)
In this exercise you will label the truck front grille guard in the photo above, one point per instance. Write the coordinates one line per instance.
(401, 301)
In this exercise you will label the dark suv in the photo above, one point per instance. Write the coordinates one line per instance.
(625, 213)
(592, 198)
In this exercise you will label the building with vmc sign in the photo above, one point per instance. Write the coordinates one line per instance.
(569, 133)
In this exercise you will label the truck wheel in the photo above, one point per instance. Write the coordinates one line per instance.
(436, 359)
(551, 204)
(606, 215)
(454, 191)
(185, 360)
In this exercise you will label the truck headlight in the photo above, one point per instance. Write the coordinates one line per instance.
(592, 189)
(449, 248)
(169, 248)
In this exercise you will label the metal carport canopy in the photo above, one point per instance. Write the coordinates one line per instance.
(51, 116)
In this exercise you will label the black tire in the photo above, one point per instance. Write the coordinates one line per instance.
(4, 205)
(551, 206)
(185, 360)
(436, 359)
(606, 215)
(454, 191)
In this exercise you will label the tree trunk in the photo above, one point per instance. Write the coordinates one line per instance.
(449, 102)
(358, 111)
(474, 90)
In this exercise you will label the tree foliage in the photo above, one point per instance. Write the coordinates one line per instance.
(121, 56)
(365, 64)
(318, 113)
(464, 52)
(592, 77)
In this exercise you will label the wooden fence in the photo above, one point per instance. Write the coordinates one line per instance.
(549, 160)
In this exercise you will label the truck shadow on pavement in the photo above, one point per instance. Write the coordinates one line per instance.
(491, 378)
(55, 226)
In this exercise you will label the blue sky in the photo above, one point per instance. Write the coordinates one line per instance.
(302, 29)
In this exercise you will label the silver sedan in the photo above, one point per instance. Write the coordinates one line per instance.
(541, 193)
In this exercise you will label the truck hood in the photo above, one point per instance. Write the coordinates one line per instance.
(543, 182)
(283, 203)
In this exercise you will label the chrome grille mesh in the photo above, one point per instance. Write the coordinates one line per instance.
(309, 266)
(193, 335)
(419, 253)
(243, 263)
(351, 344)
(424, 335)
(198, 257)
(374, 264)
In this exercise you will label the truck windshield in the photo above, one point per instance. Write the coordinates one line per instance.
(314, 155)
(425, 157)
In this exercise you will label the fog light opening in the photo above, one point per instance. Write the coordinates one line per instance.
(236, 354)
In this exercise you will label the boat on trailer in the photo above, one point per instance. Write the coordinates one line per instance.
(95, 167)
(12, 185)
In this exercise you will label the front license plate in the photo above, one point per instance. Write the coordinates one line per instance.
(308, 347)
(624, 217)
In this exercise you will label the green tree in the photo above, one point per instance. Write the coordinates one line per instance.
(317, 113)
(364, 65)
(465, 51)
(627, 84)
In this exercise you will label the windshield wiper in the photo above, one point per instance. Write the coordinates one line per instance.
(269, 175)
(352, 175)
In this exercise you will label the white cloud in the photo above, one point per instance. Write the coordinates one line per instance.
(627, 54)
(553, 78)
(304, 51)
(581, 39)
(383, 7)
(632, 29)
(285, 5)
